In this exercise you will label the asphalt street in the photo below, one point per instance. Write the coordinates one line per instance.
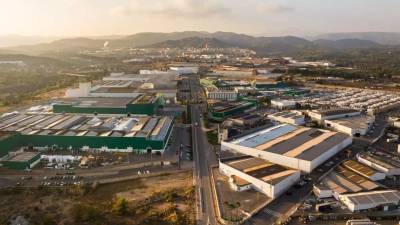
(204, 157)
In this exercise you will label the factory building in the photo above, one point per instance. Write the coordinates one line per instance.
(184, 68)
(157, 72)
(383, 199)
(20, 160)
(283, 104)
(143, 104)
(291, 146)
(247, 120)
(329, 114)
(247, 172)
(290, 117)
(354, 125)
(86, 132)
(342, 181)
(222, 110)
(364, 170)
(120, 85)
(217, 94)
(234, 72)
(386, 165)
(353, 184)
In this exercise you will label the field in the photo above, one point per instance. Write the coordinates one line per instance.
(162, 199)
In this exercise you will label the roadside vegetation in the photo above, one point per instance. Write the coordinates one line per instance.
(212, 136)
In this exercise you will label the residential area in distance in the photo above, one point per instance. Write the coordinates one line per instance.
(258, 126)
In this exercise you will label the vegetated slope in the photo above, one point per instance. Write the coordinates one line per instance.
(346, 43)
(191, 42)
(62, 45)
(34, 61)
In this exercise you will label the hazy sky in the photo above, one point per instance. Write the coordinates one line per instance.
(260, 17)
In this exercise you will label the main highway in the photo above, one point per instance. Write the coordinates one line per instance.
(203, 156)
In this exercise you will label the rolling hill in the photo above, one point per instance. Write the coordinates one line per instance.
(192, 42)
(262, 45)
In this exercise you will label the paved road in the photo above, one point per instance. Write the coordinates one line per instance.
(204, 157)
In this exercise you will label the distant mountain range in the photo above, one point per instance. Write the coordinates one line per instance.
(263, 45)
(383, 38)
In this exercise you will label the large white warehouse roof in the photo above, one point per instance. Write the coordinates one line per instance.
(288, 145)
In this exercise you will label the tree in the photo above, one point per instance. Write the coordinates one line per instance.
(120, 206)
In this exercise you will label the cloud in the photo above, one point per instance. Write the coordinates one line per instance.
(269, 7)
(172, 8)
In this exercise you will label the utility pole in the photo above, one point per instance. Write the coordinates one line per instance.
(179, 156)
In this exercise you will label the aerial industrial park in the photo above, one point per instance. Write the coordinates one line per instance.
(262, 150)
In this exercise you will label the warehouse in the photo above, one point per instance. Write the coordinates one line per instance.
(295, 147)
(290, 117)
(145, 104)
(380, 200)
(86, 132)
(385, 165)
(283, 104)
(354, 125)
(9, 141)
(20, 160)
(364, 170)
(329, 114)
(215, 93)
(222, 110)
(249, 120)
(184, 68)
(121, 85)
(268, 178)
(343, 181)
